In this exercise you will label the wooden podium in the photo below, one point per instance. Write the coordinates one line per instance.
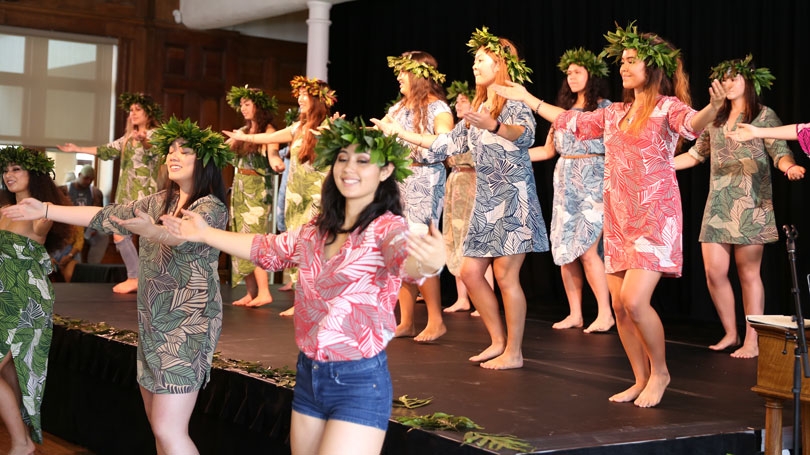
(777, 344)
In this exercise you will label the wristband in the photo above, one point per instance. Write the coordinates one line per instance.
(537, 109)
(497, 127)
(46, 204)
(788, 169)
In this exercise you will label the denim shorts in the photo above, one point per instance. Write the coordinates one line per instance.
(356, 391)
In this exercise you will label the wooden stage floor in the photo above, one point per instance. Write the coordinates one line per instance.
(558, 401)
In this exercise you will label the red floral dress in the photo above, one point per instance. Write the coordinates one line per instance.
(643, 218)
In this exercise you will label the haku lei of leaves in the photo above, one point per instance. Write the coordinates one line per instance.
(659, 55)
(207, 144)
(341, 133)
(439, 421)
(411, 403)
(283, 377)
(152, 109)
(497, 441)
(459, 88)
(31, 160)
(315, 87)
(405, 63)
(760, 77)
(260, 99)
(594, 64)
(516, 67)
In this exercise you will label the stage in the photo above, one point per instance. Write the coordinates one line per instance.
(558, 402)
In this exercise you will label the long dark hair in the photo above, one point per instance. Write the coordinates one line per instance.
(261, 119)
(207, 180)
(595, 89)
(753, 106)
(43, 188)
(333, 207)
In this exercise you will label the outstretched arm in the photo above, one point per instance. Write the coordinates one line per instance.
(389, 127)
(32, 209)
(746, 132)
(193, 228)
(73, 148)
(276, 137)
(517, 92)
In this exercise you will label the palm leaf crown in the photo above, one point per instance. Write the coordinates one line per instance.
(516, 67)
(660, 55)
(315, 87)
(260, 99)
(760, 77)
(207, 144)
(152, 109)
(31, 160)
(422, 70)
(594, 64)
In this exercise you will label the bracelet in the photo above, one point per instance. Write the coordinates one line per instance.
(537, 109)
(47, 204)
(786, 170)
(497, 127)
(427, 275)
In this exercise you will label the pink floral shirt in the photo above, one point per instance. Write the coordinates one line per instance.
(803, 135)
(344, 307)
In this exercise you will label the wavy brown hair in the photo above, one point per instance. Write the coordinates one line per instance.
(595, 89)
(308, 121)
(261, 120)
(422, 91)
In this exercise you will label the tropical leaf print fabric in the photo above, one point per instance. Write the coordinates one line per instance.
(578, 214)
(506, 218)
(139, 168)
(739, 209)
(249, 214)
(423, 191)
(179, 300)
(344, 306)
(26, 319)
(303, 198)
(643, 219)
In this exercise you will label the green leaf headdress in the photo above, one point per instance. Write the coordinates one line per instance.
(594, 64)
(260, 99)
(405, 63)
(517, 69)
(31, 160)
(315, 87)
(459, 88)
(152, 109)
(760, 77)
(660, 55)
(207, 144)
(341, 133)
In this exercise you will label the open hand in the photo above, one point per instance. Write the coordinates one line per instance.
(511, 91)
(191, 227)
(427, 249)
(140, 224)
(26, 210)
(717, 94)
(743, 132)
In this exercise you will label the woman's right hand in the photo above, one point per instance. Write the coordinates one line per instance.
(276, 164)
(68, 147)
(387, 125)
(238, 135)
(191, 227)
(743, 132)
(27, 209)
(511, 91)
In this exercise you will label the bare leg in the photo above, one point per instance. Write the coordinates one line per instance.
(129, 254)
(716, 260)
(263, 296)
(463, 302)
(749, 259)
(10, 401)
(169, 415)
(572, 278)
(407, 301)
(483, 297)
(306, 433)
(346, 437)
(631, 341)
(431, 290)
(250, 291)
(595, 274)
(507, 272)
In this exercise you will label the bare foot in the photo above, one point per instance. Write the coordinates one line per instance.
(504, 362)
(286, 287)
(475, 314)
(460, 305)
(431, 333)
(653, 392)
(746, 352)
(289, 312)
(726, 342)
(26, 449)
(628, 395)
(126, 287)
(405, 331)
(260, 301)
(243, 301)
(489, 353)
(568, 323)
(600, 325)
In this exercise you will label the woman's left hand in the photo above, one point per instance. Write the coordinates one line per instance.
(717, 94)
(139, 224)
(481, 119)
(795, 172)
(428, 249)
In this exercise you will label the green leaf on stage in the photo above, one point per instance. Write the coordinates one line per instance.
(439, 421)
(411, 403)
(497, 441)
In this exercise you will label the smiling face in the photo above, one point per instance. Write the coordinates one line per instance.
(484, 68)
(15, 178)
(404, 80)
(633, 70)
(462, 105)
(247, 108)
(304, 102)
(356, 177)
(180, 163)
(577, 77)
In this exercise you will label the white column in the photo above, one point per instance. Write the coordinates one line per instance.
(318, 39)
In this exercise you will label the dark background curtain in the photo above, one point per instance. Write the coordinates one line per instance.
(364, 32)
